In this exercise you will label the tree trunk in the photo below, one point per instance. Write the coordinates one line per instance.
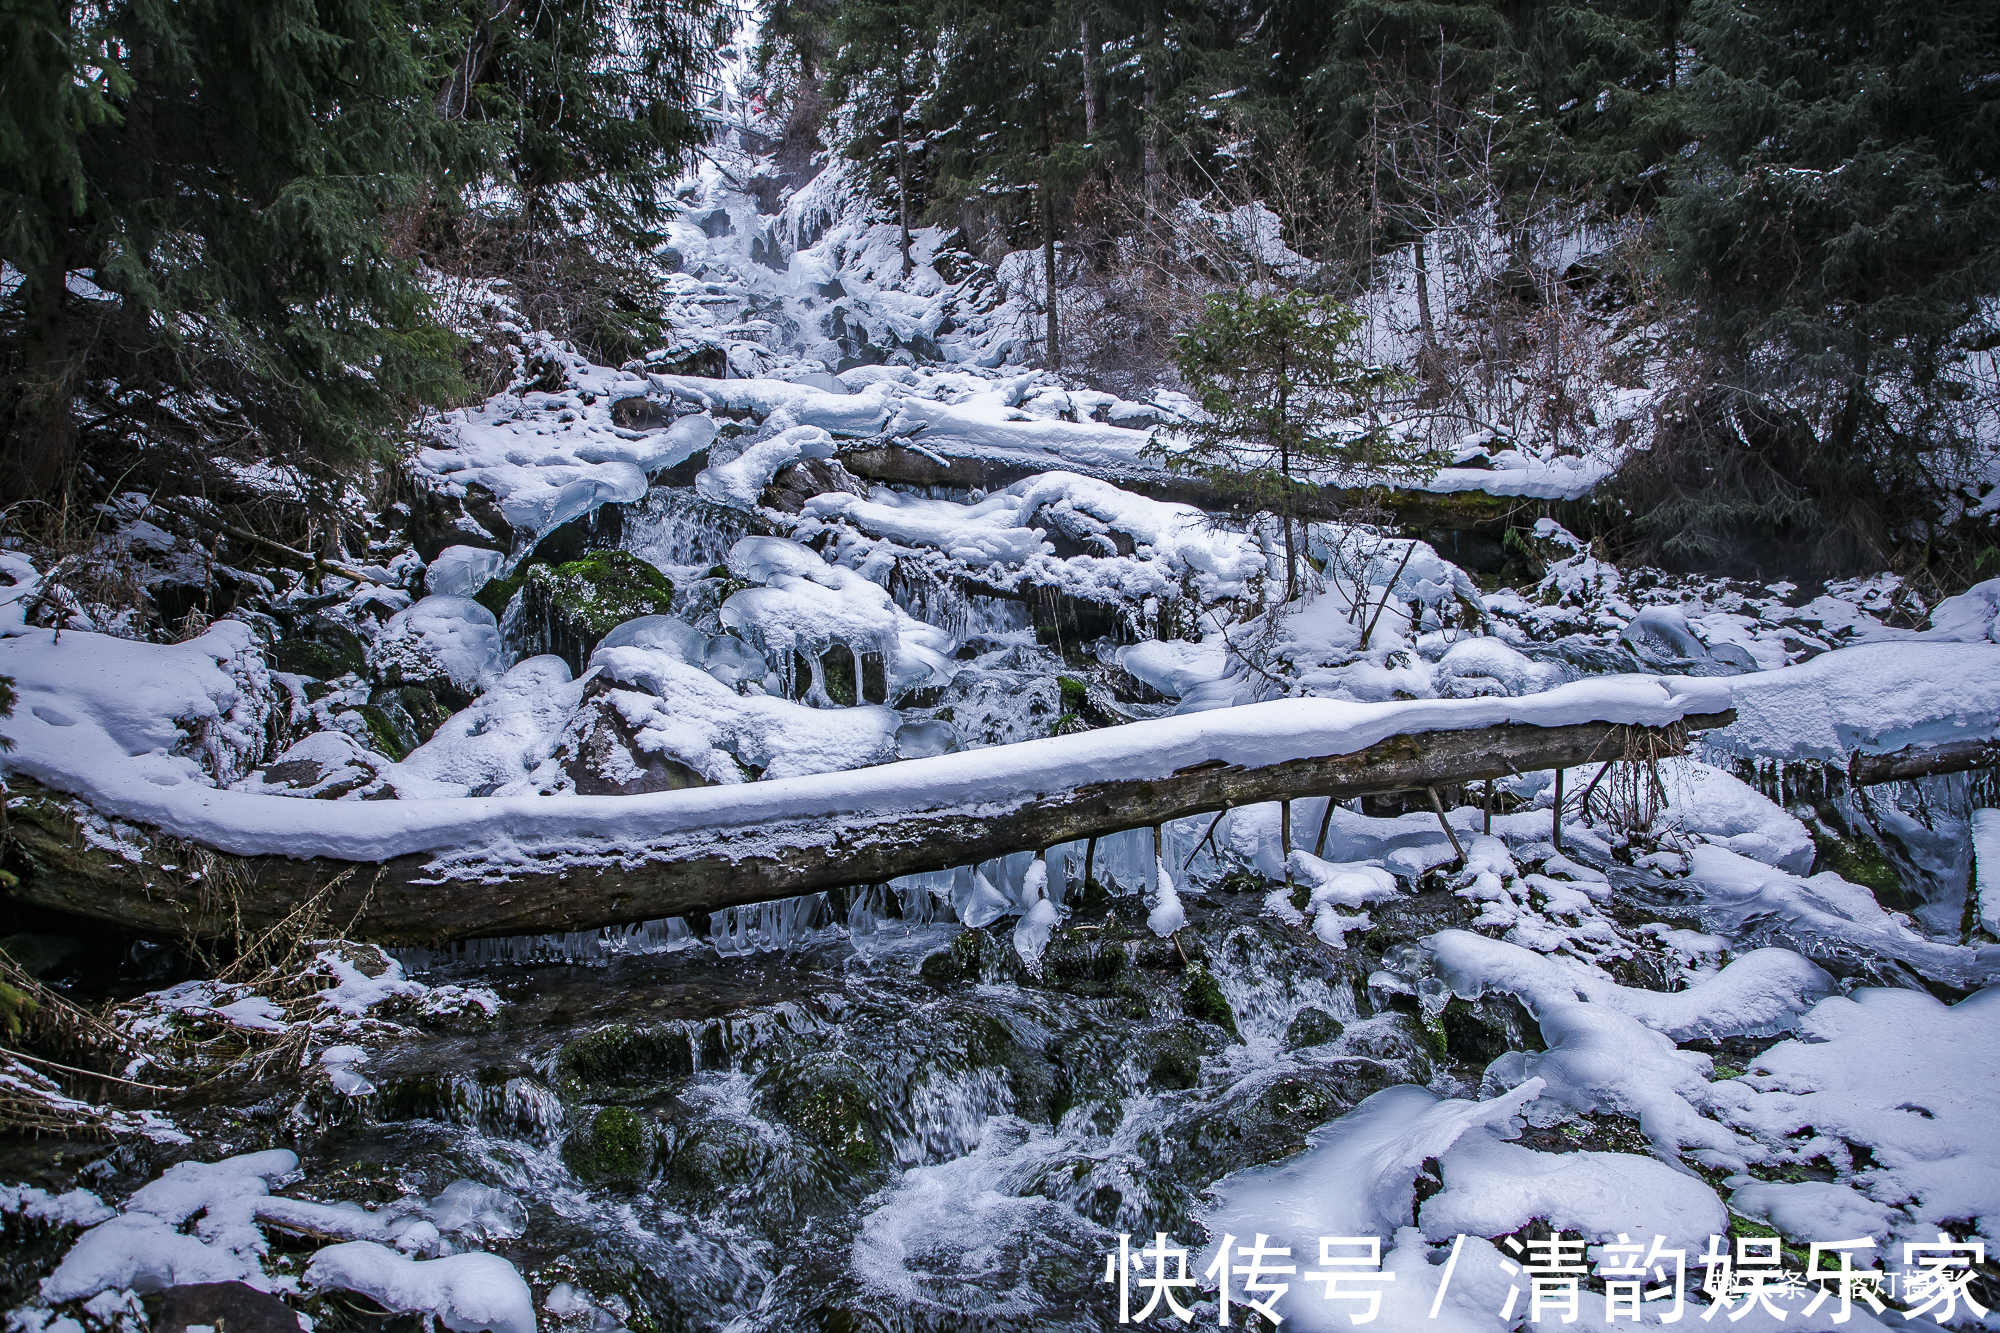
(1430, 347)
(1089, 43)
(1149, 136)
(902, 168)
(455, 98)
(43, 431)
(405, 900)
(1049, 274)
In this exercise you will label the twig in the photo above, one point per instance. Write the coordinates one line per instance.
(1204, 839)
(1449, 832)
(351, 575)
(87, 1073)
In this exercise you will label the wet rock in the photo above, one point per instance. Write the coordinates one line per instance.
(1312, 1027)
(1202, 998)
(36, 954)
(1480, 1031)
(226, 1307)
(698, 360)
(438, 520)
(831, 1101)
(414, 711)
(1396, 1040)
(637, 412)
(971, 959)
(1173, 1058)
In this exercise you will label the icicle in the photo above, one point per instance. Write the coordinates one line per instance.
(1167, 915)
(1031, 935)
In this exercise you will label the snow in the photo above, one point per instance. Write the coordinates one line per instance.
(468, 1293)
(454, 638)
(1913, 1080)
(76, 1208)
(1705, 802)
(1761, 992)
(1601, 1059)
(1492, 1188)
(1872, 698)
(1986, 868)
(461, 571)
(114, 740)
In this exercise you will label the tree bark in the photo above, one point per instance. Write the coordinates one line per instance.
(1088, 37)
(43, 431)
(1054, 357)
(902, 168)
(407, 901)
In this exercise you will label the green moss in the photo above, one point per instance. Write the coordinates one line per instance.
(599, 592)
(496, 593)
(614, 1147)
(1068, 724)
(384, 736)
(836, 667)
(1202, 998)
(1312, 1027)
(964, 962)
(321, 649)
(1856, 859)
(1072, 693)
(1301, 896)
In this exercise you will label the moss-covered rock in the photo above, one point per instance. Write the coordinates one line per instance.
(321, 648)
(1312, 1027)
(1202, 998)
(617, 1146)
(1174, 1057)
(971, 958)
(831, 1102)
(567, 608)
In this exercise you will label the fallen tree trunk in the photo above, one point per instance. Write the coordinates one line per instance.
(1443, 511)
(153, 883)
(1923, 761)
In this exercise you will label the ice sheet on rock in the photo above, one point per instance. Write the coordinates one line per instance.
(741, 480)
(453, 638)
(1737, 892)
(468, 1293)
(1986, 868)
(461, 571)
(1900, 1073)
(498, 744)
(1484, 665)
(1493, 1188)
(1760, 993)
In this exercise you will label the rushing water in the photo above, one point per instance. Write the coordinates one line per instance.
(799, 1121)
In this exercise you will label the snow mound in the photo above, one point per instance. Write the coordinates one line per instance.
(1760, 993)
(468, 1293)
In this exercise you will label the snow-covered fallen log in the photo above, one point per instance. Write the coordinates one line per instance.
(426, 870)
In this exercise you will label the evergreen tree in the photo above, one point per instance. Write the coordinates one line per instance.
(1839, 231)
(882, 70)
(1289, 408)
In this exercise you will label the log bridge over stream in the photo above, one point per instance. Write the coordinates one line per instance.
(806, 842)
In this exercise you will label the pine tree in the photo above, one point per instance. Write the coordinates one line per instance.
(882, 70)
(1288, 407)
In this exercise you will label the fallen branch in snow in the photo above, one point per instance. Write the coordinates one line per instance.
(310, 561)
(689, 870)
